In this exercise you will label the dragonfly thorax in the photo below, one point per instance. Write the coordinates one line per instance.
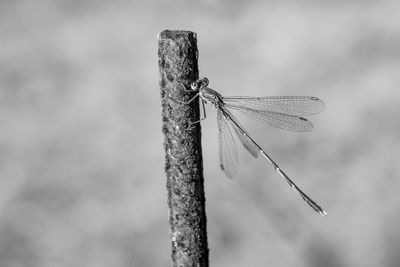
(209, 95)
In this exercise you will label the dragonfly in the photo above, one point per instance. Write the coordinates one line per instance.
(283, 112)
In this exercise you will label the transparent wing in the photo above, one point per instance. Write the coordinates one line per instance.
(244, 138)
(228, 157)
(275, 119)
(293, 105)
(251, 145)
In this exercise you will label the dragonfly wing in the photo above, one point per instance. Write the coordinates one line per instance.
(294, 105)
(275, 119)
(244, 138)
(228, 157)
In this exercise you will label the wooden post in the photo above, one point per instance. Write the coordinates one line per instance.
(177, 61)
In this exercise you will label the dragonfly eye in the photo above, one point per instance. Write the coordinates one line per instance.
(204, 82)
(194, 85)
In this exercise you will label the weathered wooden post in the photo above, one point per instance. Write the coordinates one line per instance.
(177, 61)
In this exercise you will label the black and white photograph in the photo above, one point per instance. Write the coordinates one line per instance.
(199, 133)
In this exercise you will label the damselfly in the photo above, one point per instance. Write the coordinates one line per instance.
(283, 112)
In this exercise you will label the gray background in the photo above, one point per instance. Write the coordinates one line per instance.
(81, 157)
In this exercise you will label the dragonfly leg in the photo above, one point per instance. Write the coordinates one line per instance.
(183, 102)
(186, 90)
(201, 119)
(198, 121)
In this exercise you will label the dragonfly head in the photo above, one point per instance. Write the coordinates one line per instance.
(199, 84)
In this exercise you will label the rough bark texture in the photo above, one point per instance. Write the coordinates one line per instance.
(177, 61)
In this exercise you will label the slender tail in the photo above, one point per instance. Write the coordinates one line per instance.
(306, 198)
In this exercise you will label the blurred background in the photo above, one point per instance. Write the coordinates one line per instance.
(82, 178)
